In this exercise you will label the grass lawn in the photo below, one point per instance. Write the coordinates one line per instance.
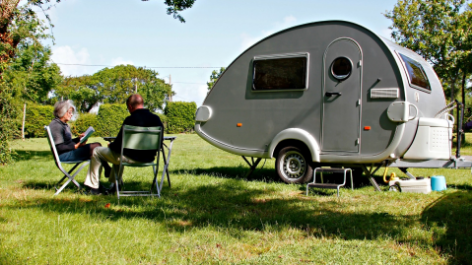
(213, 215)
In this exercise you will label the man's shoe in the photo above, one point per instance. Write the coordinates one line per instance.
(102, 189)
(112, 188)
(95, 192)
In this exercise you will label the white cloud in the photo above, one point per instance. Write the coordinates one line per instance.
(248, 40)
(289, 20)
(69, 60)
(119, 60)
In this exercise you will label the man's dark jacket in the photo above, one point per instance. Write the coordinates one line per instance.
(142, 118)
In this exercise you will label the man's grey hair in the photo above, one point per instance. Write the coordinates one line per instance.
(61, 108)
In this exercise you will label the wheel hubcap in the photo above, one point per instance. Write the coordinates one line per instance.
(294, 165)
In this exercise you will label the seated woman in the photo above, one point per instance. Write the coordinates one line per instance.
(67, 148)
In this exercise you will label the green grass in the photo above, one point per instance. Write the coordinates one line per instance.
(213, 215)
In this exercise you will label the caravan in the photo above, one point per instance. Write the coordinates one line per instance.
(329, 93)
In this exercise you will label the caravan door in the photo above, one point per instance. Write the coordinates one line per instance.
(342, 85)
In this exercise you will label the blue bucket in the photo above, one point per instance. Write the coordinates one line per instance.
(438, 183)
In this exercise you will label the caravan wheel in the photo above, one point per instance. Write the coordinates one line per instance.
(293, 165)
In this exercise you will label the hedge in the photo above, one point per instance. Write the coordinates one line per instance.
(82, 123)
(180, 116)
(109, 119)
(107, 123)
(37, 116)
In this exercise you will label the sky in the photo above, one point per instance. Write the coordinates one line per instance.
(113, 32)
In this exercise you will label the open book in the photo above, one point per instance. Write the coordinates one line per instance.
(88, 132)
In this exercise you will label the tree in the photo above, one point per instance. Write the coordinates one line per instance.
(116, 84)
(214, 77)
(440, 31)
(8, 42)
(23, 64)
(175, 6)
(30, 74)
(83, 90)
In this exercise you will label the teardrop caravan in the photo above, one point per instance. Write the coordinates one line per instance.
(329, 93)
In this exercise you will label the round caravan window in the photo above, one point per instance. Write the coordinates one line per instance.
(341, 68)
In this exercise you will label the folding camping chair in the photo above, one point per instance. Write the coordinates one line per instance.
(71, 178)
(140, 138)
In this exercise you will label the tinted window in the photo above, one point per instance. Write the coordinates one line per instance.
(341, 68)
(415, 72)
(280, 73)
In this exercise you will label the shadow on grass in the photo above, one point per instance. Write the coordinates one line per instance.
(453, 212)
(42, 185)
(269, 175)
(462, 187)
(24, 155)
(266, 175)
(230, 205)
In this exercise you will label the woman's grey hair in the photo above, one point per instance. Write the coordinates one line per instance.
(61, 107)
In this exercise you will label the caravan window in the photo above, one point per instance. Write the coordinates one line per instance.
(341, 68)
(279, 73)
(415, 73)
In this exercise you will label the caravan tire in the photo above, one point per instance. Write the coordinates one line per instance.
(293, 165)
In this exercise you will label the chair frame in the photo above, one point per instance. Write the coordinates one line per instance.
(155, 131)
(67, 174)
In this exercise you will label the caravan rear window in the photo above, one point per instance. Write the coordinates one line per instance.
(415, 73)
(278, 73)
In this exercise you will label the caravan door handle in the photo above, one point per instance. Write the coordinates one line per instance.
(330, 94)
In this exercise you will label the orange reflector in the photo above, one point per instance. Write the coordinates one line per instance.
(367, 128)
(239, 124)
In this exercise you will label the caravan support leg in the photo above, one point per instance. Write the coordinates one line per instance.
(370, 174)
(405, 171)
(252, 166)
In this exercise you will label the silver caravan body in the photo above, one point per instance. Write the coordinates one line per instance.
(338, 91)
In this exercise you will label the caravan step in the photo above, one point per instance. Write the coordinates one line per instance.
(324, 186)
(314, 184)
(331, 170)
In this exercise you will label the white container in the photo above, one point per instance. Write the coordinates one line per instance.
(412, 185)
(432, 140)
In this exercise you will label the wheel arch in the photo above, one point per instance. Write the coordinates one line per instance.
(295, 136)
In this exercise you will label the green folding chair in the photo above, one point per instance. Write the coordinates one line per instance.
(67, 174)
(140, 138)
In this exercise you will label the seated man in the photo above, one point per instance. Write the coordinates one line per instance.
(101, 155)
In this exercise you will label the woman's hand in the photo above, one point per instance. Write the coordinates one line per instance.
(79, 144)
(82, 135)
